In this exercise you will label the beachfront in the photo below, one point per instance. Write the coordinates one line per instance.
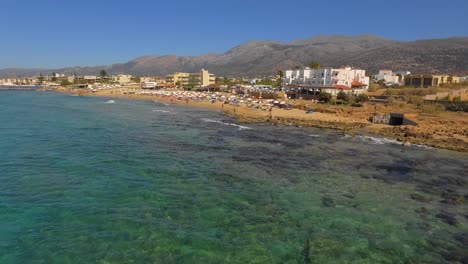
(442, 130)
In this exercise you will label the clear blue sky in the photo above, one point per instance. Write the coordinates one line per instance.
(52, 33)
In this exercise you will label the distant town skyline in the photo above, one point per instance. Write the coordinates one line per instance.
(53, 34)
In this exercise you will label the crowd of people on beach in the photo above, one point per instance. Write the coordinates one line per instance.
(213, 97)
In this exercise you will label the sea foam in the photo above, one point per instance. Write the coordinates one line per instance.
(160, 111)
(207, 120)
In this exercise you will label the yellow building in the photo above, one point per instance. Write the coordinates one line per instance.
(178, 78)
(202, 78)
(206, 78)
(429, 80)
(122, 78)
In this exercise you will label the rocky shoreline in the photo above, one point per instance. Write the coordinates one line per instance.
(407, 135)
(446, 132)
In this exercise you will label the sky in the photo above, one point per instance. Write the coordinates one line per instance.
(54, 34)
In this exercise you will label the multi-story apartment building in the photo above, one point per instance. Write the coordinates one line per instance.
(18, 81)
(355, 79)
(387, 76)
(178, 78)
(156, 79)
(90, 79)
(202, 78)
(122, 78)
(206, 78)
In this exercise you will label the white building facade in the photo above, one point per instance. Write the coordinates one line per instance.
(387, 76)
(355, 79)
(122, 79)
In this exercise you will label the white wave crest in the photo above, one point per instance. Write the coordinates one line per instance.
(225, 123)
(378, 140)
(160, 111)
(382, 140)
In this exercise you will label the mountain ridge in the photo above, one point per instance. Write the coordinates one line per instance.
(265, 57)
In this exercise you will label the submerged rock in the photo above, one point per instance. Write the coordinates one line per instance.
(327, 201)
(459, 255)
(423, 212)
(462, 238)
(420, 198)
(452, 198)
(447, 218)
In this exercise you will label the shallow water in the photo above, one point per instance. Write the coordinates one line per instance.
(85, 181)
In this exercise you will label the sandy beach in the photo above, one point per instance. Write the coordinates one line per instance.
(447, 130)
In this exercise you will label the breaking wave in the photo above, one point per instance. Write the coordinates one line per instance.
(160, 111)
(207, 120)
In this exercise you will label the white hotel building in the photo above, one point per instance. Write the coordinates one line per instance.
(346, 78)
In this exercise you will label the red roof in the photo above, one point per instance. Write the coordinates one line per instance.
(167, 84)
(355, 83)
(340, 86)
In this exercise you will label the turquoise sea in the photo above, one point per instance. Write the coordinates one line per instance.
(86, 180)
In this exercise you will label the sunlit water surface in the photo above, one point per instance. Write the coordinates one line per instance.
(88, 180)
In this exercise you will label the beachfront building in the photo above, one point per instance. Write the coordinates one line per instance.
(309, 91)
(178, 78)
(69, 79)
(352, 78)
(387, 76)
(157, 79)
(206, 78)
(89, 79)
(297, 76)
(184, 79)
(122, 79)
(429, 80)
(18, 81)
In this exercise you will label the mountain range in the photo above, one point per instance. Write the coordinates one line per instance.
(255, 58)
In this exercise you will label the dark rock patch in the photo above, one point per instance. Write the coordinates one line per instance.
(327, 201)
(422, 211)
(456, 254)
(452, 198)
(393, 173)
(447, 218)
(420, 198)
(462, 238)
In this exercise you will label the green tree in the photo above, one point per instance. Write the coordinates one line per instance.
(324, 97)
(362, 98)
(457, 98)
(135, 79)
(315, 65)
(65, 83)
(54, 78)
(342, 96)
(103, 73)
(280, 74)
(41, 78)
